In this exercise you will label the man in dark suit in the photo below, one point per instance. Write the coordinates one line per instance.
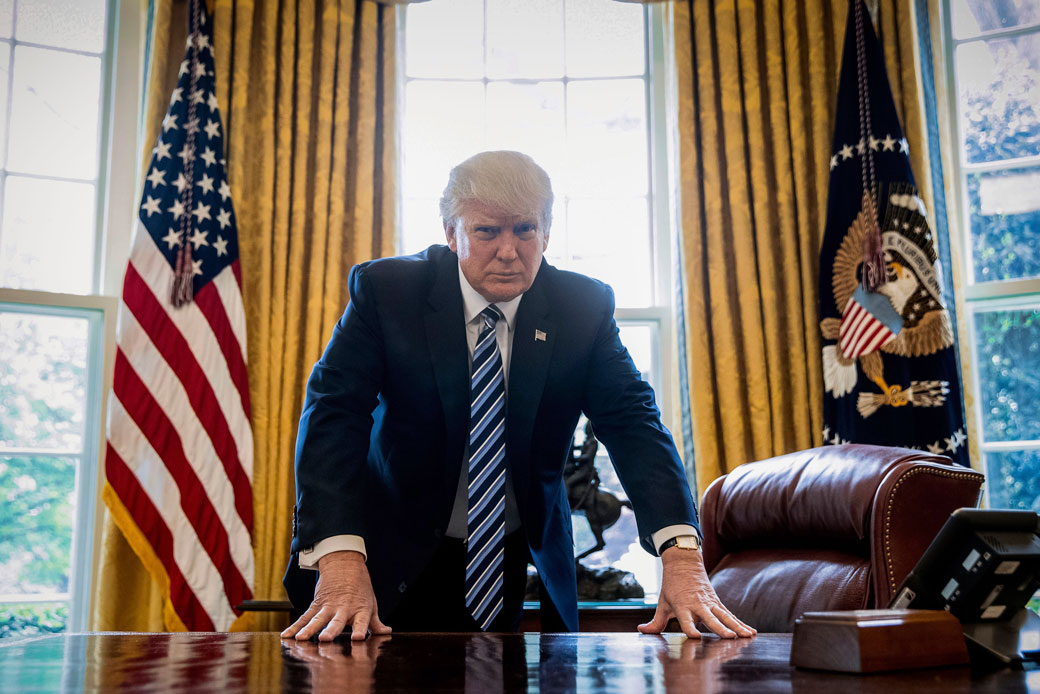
(429, 462)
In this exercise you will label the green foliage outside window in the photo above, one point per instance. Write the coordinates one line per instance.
(27, 620)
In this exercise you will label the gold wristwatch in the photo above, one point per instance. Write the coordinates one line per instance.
(688, 542)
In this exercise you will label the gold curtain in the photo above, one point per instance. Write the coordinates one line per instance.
(306, 92)
(756, 86)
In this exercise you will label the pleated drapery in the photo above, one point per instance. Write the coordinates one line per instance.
(756, 84)
(306, 91)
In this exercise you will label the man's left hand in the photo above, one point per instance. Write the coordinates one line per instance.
(687, 595)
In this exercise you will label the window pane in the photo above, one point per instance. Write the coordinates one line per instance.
(445, 39)
(525, 39)
(78, 25)
(610, 240)
(1008, 353)
(444, 124)
(6, 16)
(54, 113)
(26, 620)
(529, 118)
(607, 136)
(47, 240)
(43, 381)
(1014, 480)
(970, 17)
(36, 524)
(999, 92)
(421, 223)
(604, 38)
(1004, 218)
(5, 66)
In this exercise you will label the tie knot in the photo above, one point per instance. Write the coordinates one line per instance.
(491, 315)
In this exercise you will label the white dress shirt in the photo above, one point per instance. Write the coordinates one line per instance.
(472, 303)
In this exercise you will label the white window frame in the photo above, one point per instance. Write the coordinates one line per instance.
(988, 296)
(115, 209)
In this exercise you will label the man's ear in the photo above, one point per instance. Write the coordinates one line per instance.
(449, 235)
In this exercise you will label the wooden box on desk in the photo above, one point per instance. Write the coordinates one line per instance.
(877, 640)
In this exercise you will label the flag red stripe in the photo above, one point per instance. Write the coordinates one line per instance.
(208, 301)
(237, 269)
(866, 335)
(198, 508)
(151, 525)
(177, 352)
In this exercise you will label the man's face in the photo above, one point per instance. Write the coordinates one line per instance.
(499, 252)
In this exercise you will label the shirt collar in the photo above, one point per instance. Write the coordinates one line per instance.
(473, 303)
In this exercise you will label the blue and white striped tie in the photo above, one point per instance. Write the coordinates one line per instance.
(485, 545)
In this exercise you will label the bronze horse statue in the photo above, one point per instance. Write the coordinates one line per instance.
(601, 508)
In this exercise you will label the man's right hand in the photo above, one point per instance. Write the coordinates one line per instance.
(342, 596)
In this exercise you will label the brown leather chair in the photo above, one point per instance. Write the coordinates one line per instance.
(831, 528)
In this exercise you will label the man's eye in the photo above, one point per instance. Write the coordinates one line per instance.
(525, 230)
(484, 232)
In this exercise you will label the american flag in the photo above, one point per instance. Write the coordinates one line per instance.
(180, 449)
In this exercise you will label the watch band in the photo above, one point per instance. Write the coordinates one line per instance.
(687, 542)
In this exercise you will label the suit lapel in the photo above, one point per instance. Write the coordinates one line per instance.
(446, 336)
(533, 342)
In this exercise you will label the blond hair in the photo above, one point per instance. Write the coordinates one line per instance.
(510, 181)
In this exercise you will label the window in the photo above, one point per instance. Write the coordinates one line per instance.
(569, 82)
(57, 112)
(993, 61)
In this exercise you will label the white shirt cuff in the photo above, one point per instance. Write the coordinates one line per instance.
(337, 543)
(660, 537)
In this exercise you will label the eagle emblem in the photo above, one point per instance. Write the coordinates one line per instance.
(904, 317)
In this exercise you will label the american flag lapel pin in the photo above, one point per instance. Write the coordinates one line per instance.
(539, 336)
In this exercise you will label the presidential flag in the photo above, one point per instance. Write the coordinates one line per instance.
(890, 373)
(179, 461)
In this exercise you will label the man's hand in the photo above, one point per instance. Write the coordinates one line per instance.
(687, 595)
(342, 596)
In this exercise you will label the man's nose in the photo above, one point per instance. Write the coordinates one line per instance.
(506, 247)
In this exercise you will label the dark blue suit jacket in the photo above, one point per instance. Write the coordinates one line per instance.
(383, 429)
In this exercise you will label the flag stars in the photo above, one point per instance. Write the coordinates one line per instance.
(176, 96)
(936, 448)
(162, 149)
(888, 144)
(197, 96)
(212, 129)
(846, 152)
(220, 245)
(196, 267)
(198, 238)
(206, 183)
(209, 157)
(181, 182)
(834, 162)
(177, 209)
(172, 239)
(183, 69)
(904, 146)
(224, 190)
(169, 122)
(200, 69)
(151, 205)
(192, 126)
(212, 101)
(224, 218)
(201, 212)
(202, 41)
(861, 147)
(874, 142)
(156, 177)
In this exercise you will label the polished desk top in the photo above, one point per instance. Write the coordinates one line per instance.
(585, 662)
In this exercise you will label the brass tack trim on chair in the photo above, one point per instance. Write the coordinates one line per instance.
(889, 506)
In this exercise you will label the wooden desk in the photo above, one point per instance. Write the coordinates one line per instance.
(449, 662)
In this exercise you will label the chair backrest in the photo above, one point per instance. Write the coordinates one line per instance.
(831, 528)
